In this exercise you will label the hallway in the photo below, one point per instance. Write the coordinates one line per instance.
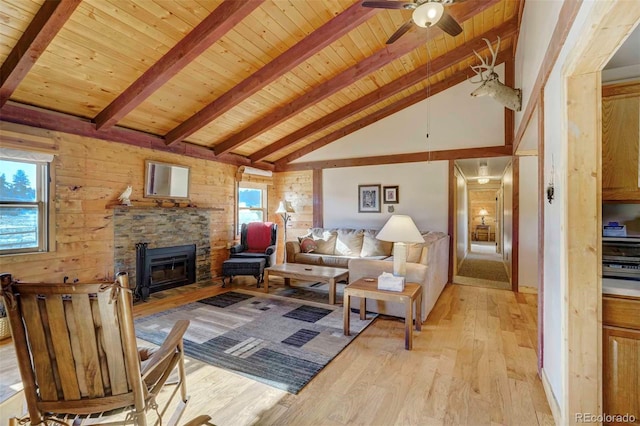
(483, 267)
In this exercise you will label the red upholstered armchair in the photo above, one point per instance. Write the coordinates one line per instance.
(257, 239)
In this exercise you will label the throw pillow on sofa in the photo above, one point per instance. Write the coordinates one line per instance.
(371, 246)
(308, 245)
(325, 240)
(349, 242)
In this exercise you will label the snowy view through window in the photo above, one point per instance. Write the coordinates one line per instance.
(250, 208)
(18, 205)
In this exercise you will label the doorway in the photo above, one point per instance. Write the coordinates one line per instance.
(479, 234)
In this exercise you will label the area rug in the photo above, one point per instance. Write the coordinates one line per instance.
(277, 341)
(310, 291)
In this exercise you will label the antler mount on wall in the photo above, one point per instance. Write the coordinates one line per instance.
(491, 86)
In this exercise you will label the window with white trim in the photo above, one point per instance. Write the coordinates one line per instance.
(24, 202)
(252, 203)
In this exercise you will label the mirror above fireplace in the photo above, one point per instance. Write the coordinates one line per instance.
(164, 180)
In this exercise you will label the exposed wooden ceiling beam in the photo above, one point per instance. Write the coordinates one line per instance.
(37, 117)
(43, 28)
(372, 118)
(210, 30)
(437, 65)
(414, 157)
(307, 47)
(462, 12)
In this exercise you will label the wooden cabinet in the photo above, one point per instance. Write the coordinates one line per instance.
(621, 142)
(482, 233)
(621, 357)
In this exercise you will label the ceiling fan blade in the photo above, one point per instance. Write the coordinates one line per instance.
(449, 25)
(389, 4)
(400, 31)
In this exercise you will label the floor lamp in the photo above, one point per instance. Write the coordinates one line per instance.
(284, 210)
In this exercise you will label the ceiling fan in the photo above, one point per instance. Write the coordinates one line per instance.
(425, 14)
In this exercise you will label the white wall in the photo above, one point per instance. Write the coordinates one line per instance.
(554, 254)
(423, 194)
(453, 119)
(507, 221)
(528, 224)
(539, 19)
(462, 219)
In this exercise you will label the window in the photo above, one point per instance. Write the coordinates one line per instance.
(24, 205)
(252, 204)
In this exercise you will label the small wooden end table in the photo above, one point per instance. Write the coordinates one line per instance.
(368, 288)
(481, 231)
(325, 274)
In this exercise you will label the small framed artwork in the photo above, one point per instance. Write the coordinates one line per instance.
(368, 198)
(390, 195)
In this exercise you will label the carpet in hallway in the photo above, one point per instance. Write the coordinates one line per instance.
(483, 266)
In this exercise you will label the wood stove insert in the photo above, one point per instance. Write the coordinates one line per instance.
(163, 268)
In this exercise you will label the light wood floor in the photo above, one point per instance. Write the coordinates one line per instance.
(473, 363)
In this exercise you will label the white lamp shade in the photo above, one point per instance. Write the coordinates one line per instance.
(427, 14)
(483, 212)
(400, 229)
(285, 207)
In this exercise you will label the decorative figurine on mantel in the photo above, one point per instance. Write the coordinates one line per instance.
(124, 197)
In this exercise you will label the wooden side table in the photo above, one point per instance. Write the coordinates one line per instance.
(411, 294)
(483, 231)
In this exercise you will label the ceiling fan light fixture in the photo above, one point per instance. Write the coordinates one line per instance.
(428, 14)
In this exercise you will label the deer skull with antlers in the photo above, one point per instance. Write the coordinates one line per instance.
(491, 85)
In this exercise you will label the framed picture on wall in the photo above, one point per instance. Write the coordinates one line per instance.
(368, 198)
(390, 194)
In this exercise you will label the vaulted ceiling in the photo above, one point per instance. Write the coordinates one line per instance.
(248, 82)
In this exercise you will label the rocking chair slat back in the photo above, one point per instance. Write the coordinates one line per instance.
(81, 344)
(112, 346)
(62, 348)
(39, 349)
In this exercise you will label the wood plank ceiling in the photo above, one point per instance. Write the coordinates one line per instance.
(254, 82)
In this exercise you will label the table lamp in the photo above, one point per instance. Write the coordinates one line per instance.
(483, 213)
(400, 229)
(284, 208)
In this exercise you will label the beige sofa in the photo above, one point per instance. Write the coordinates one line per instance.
(336, 247)
(427, 264)
(365, 256)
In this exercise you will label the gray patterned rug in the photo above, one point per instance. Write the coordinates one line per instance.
(281, 342)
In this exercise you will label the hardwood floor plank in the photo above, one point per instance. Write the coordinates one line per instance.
(473, 363)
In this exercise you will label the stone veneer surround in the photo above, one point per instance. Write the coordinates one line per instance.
(161, 227)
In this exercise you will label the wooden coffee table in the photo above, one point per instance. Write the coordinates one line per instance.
(325, 274)
(411, 294)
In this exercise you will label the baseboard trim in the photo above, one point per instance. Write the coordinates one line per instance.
(551, 399)
(527, 289)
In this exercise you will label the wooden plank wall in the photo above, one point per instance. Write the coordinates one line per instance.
(482, 198)
(296, 187)
(89, 176)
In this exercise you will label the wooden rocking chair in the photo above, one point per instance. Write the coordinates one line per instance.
(77, 353)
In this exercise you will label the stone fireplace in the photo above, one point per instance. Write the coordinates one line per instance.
(167, 234)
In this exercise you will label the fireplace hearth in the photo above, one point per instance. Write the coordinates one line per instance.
(163, 268)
